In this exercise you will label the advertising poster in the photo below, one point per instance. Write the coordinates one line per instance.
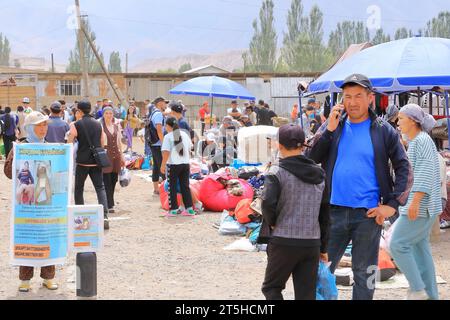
(42, 188)
(86, 228)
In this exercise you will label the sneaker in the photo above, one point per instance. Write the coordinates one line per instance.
(189, 213)
(417, 295)
(172, 213)
(50, 285)
(445, 224)
(111, 211)
(198, 207)
(25, 286)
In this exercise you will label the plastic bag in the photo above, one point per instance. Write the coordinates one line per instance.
(326, 283)
(124, 178)
(241, 245)
(229, 226)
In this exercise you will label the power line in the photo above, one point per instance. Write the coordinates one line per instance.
(170, 25)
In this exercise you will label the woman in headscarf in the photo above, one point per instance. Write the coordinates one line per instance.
(114, 150)
(36, 126)
(410, 244)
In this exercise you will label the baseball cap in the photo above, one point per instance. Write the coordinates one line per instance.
(227, 119)
(56, 106)
(26, 100)
(159, 99)
(291, 136)
(358, 79)
(210, 137)
(176, 107)
(312, 100)
(35, 118)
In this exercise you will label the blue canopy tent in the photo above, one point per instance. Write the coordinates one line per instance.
(413, 64)
(213, 87)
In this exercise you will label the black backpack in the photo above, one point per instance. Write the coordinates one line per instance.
(151, 134)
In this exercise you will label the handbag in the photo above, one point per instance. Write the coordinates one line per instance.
(100, 154)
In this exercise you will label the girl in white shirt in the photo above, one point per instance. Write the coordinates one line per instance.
(175, 150)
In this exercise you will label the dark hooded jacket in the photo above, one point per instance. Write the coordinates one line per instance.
(295, 205)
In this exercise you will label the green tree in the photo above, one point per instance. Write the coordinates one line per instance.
(115, 64)
(293, 39)
(402, 33)
(303, 48)
(380, 37)
(346, 34)
(261, 56)
(169, 70)
(185, 67)
(5, 50)
(93, 66)
(439, 26)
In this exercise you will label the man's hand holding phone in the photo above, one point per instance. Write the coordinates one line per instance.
(335, 115)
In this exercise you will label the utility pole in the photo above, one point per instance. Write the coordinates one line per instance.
(113, 85)
(126, 62)
(53, 64)
(83, 65)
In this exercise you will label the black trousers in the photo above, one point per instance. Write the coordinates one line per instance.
(8, 142)
(157, 162)
(179, 173)
(110, 181)
(300, 262)
(96, 175)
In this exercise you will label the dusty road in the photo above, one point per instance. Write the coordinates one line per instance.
(150, 257)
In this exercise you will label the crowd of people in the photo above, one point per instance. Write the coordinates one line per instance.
(340, 175)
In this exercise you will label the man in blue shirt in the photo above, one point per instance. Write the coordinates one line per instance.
(57, 127)
(157, 127)
(354, 148)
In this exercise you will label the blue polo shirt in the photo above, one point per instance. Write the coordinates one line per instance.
(355, 183)
(57, 129)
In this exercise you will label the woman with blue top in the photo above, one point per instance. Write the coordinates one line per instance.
(410, 244)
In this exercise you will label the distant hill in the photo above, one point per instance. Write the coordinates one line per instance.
(228, 60)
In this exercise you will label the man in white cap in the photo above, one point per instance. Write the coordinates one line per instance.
(26, 105)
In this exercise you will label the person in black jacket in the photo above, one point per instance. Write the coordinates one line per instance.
(354, 147)
(86, 164)
(296, 216)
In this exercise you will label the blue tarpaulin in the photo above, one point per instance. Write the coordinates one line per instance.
(216, 87)
(396, 66)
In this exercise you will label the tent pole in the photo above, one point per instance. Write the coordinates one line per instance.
(447, 113)
(300, 95)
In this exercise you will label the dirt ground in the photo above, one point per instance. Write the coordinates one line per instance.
(150, 257)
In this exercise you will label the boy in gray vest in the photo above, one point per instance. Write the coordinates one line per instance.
(296, 217)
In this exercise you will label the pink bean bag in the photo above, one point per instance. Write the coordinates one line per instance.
(164, 196)
(215, 196)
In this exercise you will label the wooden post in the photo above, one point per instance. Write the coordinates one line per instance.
(113, 85)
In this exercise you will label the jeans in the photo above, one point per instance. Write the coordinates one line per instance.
(347, 224)
(284, 261)
(157, 162)
(410, 248)
(110, 181)
(8, 142)
(96, 175)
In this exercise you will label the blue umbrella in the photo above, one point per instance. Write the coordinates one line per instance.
(396, 66)
(213, 87)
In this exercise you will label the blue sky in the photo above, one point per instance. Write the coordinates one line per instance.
(159, 28)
